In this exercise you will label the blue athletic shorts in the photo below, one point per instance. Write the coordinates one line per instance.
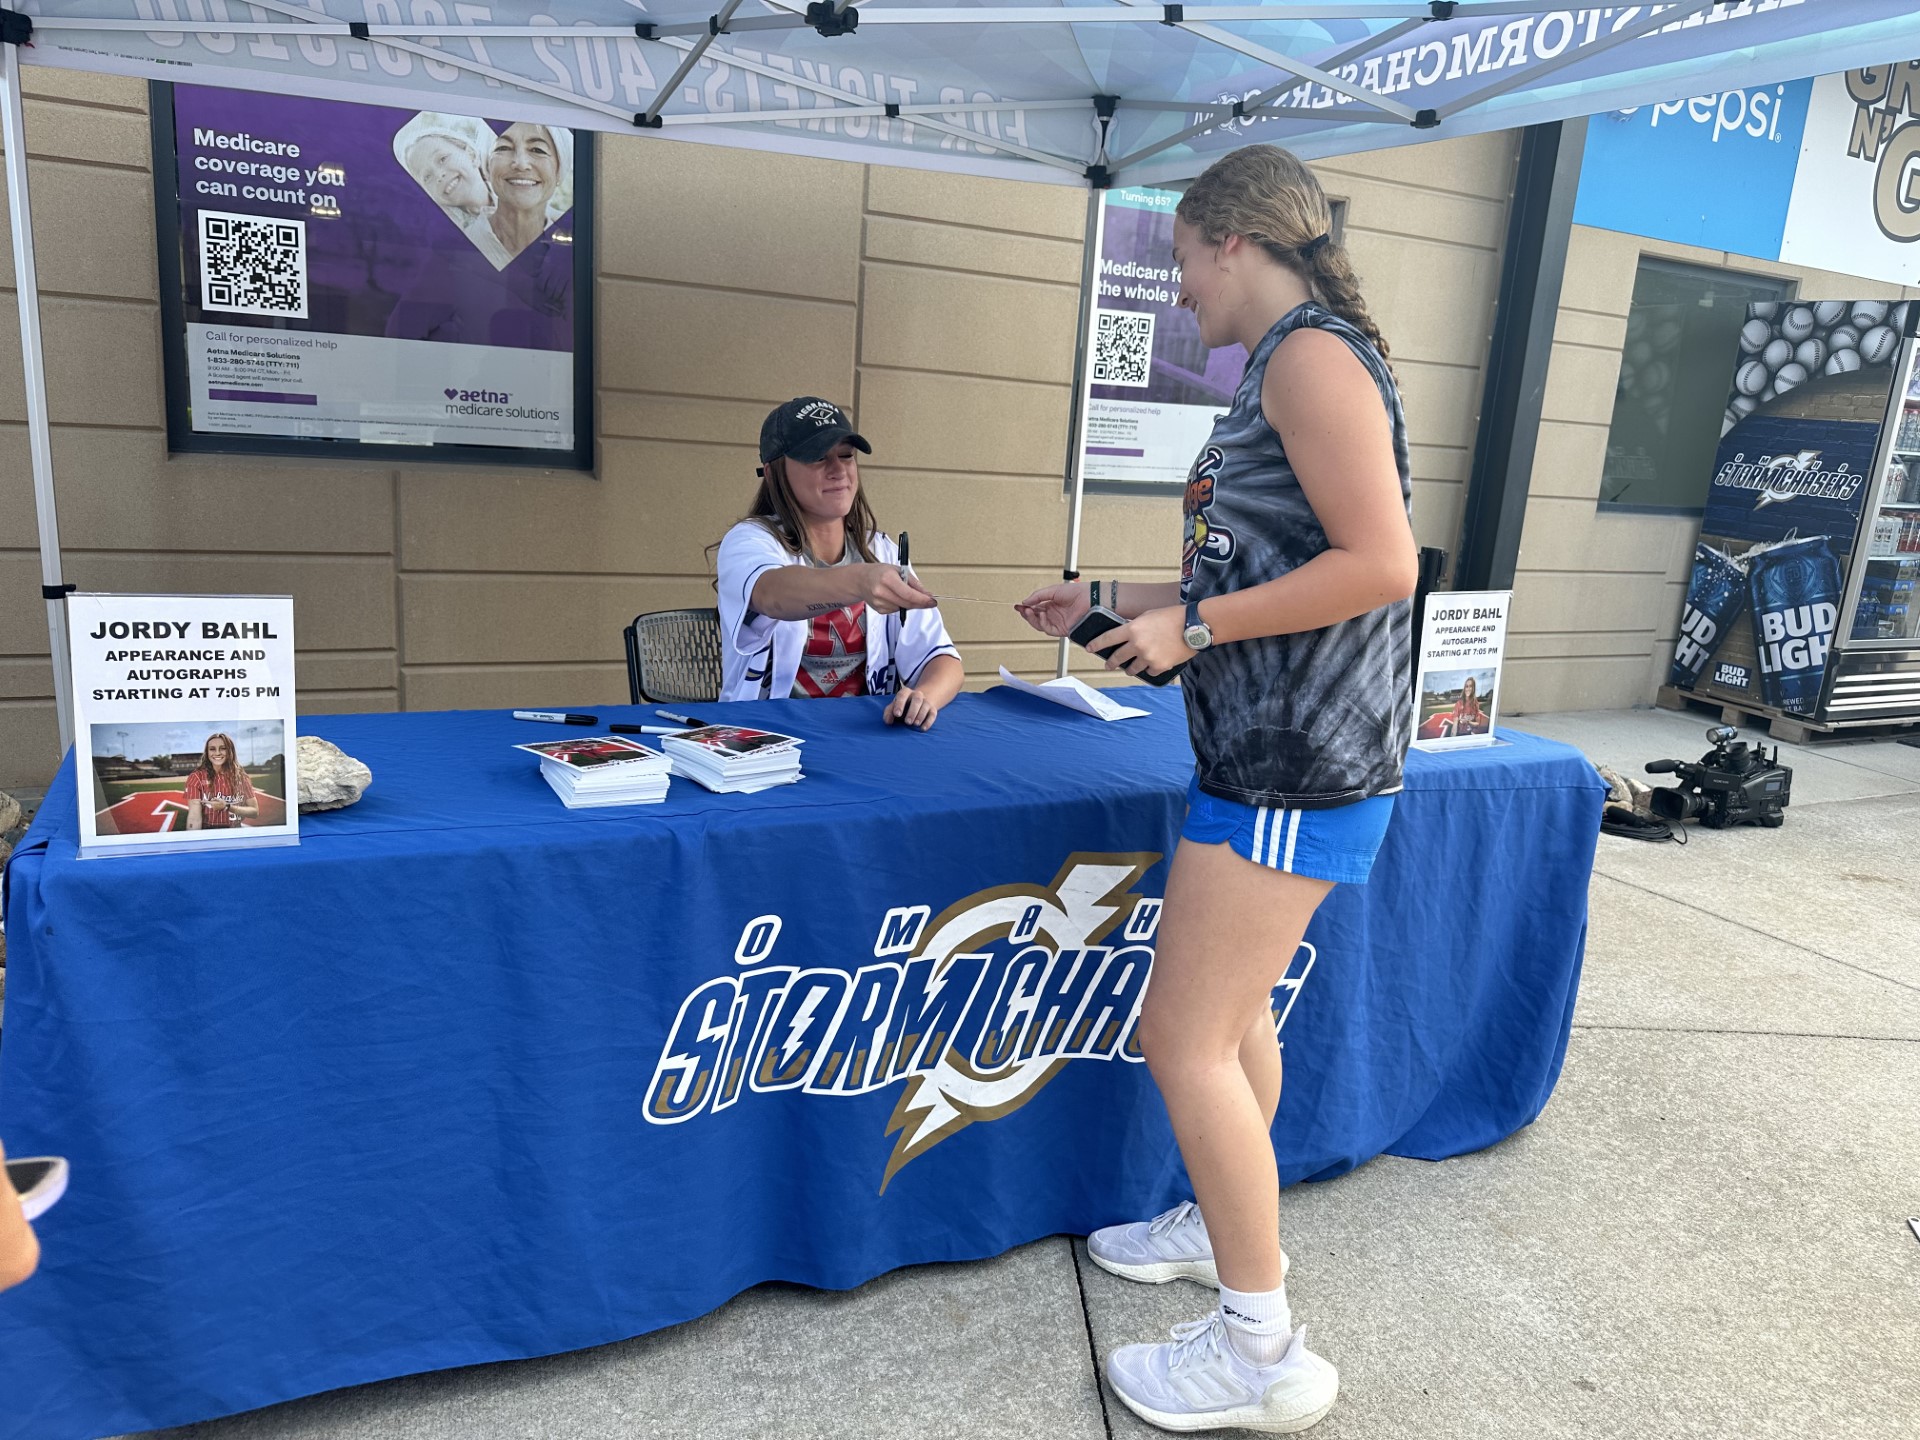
(1337, 844)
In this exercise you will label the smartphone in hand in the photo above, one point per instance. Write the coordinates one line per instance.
(40, 1180)
(1097, 622)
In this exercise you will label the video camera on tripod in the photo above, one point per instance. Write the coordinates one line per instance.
(1733, 784)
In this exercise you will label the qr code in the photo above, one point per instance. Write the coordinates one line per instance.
(1122, 348)
(253, 263)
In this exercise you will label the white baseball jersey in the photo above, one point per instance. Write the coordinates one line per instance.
(761, 655)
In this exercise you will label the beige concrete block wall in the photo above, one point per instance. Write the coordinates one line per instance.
(1597, 596)
(131, 518)
(940, 308)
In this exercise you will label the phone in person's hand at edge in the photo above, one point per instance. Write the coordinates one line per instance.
(40, 1180)
(1097, 622)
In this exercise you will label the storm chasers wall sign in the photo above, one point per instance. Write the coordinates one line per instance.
(183, 709)
(965, 1015)
(365, 277)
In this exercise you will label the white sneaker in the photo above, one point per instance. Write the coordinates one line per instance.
(1199, 1382)
(1171, 1246)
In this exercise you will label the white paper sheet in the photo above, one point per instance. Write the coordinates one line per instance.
(1075, 694)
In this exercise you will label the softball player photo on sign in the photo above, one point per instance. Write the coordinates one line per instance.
(157, 779)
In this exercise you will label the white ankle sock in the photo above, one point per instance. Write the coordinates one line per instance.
(1259, 1323)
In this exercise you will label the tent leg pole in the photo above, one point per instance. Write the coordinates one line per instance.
(1077, 431)
(33, 366)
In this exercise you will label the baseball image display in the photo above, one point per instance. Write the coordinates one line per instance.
(1783, 345)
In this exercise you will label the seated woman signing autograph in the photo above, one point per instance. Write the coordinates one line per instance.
(814, 602)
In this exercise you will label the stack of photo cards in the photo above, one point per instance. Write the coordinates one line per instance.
(602, 770)
(733, 759)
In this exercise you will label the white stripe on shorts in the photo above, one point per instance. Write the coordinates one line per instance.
(1270, 826)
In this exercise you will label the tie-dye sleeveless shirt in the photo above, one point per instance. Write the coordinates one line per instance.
(1310, 720)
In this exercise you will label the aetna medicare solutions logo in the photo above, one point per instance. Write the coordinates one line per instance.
(496, 403)
(982, 1006)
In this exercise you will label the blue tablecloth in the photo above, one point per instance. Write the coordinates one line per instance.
(467, 1076)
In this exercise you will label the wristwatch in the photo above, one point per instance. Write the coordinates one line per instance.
(1198, 634)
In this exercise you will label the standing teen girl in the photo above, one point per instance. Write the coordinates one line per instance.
(1291, 613)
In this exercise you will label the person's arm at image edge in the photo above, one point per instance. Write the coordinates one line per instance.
(19, 1247)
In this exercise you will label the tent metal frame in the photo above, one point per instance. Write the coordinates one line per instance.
(694, 41)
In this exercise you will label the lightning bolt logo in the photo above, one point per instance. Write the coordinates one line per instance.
(797, 1030)
(1086, 901)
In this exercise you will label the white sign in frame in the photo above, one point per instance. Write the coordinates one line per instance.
(1462, 644)
(184, 722)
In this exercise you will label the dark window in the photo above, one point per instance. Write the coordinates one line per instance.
(1683, 339)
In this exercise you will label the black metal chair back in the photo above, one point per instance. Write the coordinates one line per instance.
(673, 657)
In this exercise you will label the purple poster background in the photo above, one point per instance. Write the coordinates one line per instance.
(1153, 389)
(383, 258)
(1185, 372)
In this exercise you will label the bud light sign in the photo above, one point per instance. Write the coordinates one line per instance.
(1793, 472)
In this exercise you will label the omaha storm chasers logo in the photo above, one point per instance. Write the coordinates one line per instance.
(989, 1000)
(1780, 478)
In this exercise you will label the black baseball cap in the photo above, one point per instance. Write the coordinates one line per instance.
(807, 429)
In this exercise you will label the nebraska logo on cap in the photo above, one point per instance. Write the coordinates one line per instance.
(821, 412)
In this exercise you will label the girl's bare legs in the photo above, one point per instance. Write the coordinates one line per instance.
(1228, 932)
(1260, 1061)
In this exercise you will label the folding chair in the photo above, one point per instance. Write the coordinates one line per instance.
(673, 656)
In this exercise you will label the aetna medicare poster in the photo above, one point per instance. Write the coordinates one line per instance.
(379, 277)
(1152, 389)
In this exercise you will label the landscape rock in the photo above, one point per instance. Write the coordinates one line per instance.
(330, 779)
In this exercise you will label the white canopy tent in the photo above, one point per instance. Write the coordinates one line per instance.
(1091, 94)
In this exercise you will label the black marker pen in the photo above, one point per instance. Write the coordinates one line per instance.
(556, 717)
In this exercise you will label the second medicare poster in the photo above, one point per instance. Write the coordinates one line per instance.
(1153, 389)
(375, 276)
